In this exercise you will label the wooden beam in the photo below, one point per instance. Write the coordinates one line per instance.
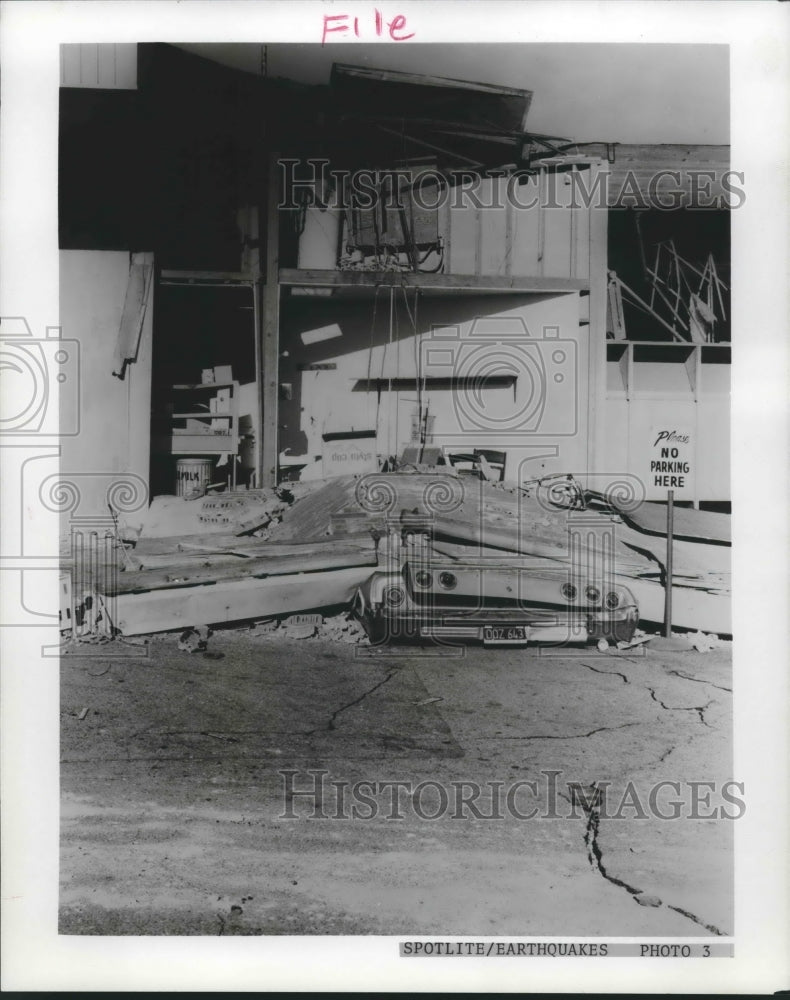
(232, 600)
(474, 282)
(212, 277)
(203, 570)
(270, 332)
(599, 287)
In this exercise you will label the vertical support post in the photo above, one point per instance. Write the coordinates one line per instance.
(668, 584)
(270, 332)
(257, 315)
(599, 290)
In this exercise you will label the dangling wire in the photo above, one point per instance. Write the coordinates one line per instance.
(389, 379)
(370, 358)
(419, 379)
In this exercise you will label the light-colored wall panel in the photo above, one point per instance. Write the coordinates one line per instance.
(538, 337)
(106, 65)
(115, 414)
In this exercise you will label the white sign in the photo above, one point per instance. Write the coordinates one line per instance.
(671, 461)
(352, 456)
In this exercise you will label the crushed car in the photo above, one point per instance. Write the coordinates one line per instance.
(493, 605)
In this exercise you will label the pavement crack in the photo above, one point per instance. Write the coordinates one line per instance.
(699, 680)
(612, 673)
(573, 736)
(592, 808)
(331, 723)
(699, 709)
(594, 852)
(690, 916)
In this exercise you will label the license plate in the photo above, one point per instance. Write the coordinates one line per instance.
(504, 633)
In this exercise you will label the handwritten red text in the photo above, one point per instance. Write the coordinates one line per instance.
(343, 24)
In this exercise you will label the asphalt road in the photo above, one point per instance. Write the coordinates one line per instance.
(525, 805)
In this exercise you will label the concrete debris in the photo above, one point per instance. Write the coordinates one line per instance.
(639, 639)
(313, 619)
(298, 631)
(341, 627)
(644, 899)
(266, 627)
(704, 643)
(83, 713)
(194, 640)
(227, 557)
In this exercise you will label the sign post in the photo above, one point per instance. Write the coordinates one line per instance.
(668, 587)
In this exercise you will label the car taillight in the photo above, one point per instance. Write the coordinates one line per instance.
(394, 596)
(612, 600)
(448, 580)
(593, 595)
(569, 591)
(423, 578)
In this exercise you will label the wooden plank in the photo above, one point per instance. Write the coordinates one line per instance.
(311, 517)
(70, 65)
(695, 525)
(233, 600)
(270, 332)
(691, 607)
(106, 65)
(220, 513)
(492, 224)
(138, 293)
(89, 64)
(597, 233)
(525, 228)
(126, 65)
(466, 102)
(478, 282)
(220, 277)
(309, 560)
(462, 225)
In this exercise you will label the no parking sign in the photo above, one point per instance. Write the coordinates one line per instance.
(671, 460)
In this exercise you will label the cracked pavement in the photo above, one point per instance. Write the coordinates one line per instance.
(173, 803)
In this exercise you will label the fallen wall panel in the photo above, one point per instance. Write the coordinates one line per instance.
(230, 601)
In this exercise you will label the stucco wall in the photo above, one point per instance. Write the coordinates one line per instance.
(540, 414)
(114, 414)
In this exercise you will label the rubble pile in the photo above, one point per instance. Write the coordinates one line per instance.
(342, 627)
(303, 547)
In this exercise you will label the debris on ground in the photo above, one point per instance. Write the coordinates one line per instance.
(194, 640)
(639, 639)
(704, 643)
(298, 631)
(341, 627)
(266, 627)
(644, 899)
(269, 553)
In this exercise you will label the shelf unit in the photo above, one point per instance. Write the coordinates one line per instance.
(218, 415)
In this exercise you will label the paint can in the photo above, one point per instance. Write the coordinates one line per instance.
(193, 475)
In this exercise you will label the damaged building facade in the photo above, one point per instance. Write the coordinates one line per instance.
(275, 284)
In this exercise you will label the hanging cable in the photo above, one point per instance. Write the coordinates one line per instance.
(370, 352)
(397, 372)
(389, 380)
